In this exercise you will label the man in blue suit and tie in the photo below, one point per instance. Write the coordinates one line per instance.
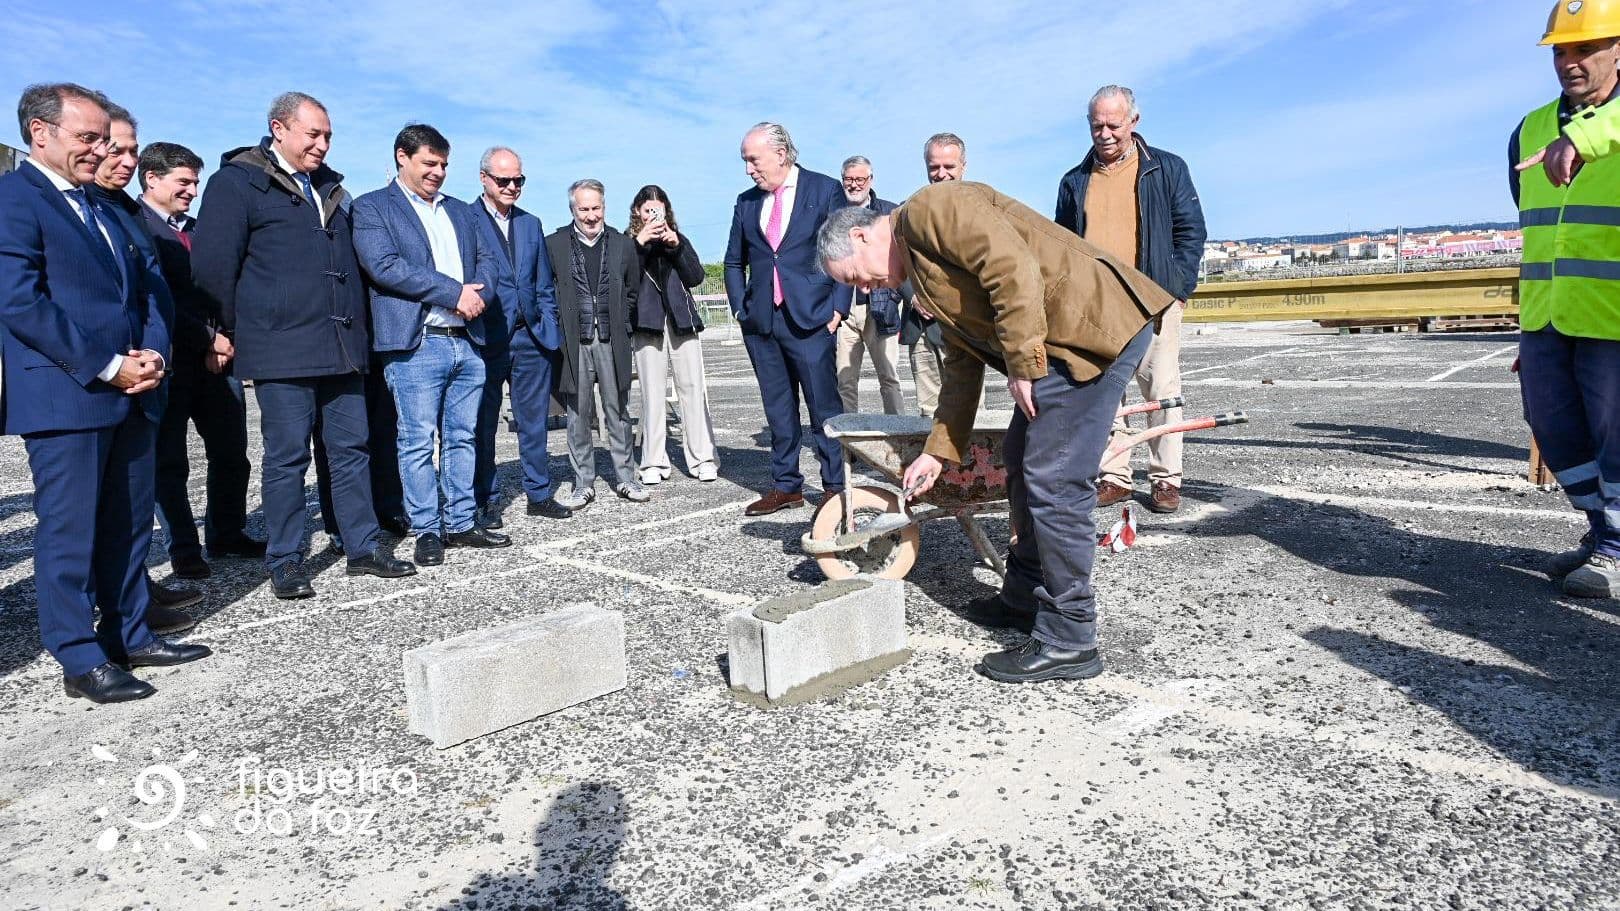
(787, 307)
(84, 330)
(432, 275)
(521, 340)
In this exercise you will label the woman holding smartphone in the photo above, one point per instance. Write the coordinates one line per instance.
(667, 324)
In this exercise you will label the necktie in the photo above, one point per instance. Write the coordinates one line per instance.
(309, 190)
(88, 214)
(178, 225)
(773, 235)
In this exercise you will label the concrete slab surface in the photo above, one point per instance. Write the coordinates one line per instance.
(1336, 679)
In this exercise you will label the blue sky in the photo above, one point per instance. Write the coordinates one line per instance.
(1295, 117)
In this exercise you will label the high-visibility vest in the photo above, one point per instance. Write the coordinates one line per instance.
(1570, 276)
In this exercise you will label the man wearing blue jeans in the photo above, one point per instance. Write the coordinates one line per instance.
(431, 276)
(1068, 324)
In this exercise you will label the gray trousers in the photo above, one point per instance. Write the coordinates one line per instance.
(1052, 488)
(595, 370)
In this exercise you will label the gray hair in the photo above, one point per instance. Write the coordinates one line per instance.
(776, 136)
(44, 100)
(832, 241)
(854, 160)
(117, 113)
(585, 184)
(286, 106)
(945, 139)
(1115, 91)
(492, 151)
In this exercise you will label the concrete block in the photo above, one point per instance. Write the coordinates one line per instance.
(491, 679)
(810, 644)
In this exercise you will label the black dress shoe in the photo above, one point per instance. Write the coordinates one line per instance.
(239, 546)
(290, 581)
(171, 596)
(398, 526)
(549, 509)
(163, 653)
(107, 683)
(490, 516)
(166, 621)
(477, 537)
(994, 613)
(381, 565)
(190, 566)
(1035, 661)
(429, 550)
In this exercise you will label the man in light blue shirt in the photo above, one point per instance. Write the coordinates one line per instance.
(431, 275)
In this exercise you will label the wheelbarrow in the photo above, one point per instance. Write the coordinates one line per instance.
(873, 530)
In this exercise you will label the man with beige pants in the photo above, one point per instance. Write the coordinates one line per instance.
(944, 158)
(873, 324)
(1138, 203)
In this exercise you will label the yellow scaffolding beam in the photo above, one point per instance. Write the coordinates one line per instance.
(1458, 292)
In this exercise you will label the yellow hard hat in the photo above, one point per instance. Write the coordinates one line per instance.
(1582, 20)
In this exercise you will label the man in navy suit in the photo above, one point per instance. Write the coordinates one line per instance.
(787, 307)
(84, 330)
(274, 257)
(521, 339)
(432, 275)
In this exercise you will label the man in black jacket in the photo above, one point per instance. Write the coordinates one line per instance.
(1138, 203)
(275, 258)
(598, 277)
(873, 324)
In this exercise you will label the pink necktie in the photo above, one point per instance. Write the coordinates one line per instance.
(773, 234)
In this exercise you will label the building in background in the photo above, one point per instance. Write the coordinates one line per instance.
(10, 159)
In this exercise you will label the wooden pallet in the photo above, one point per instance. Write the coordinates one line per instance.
(1347, 326)
(1494, 323)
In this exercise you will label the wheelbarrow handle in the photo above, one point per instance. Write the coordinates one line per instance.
(1153, 433)
(1175, 401)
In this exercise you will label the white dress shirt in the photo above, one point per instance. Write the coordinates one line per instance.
(285, 165)
(790, 189)
(57, 181)
(504, 222)
(441, 233)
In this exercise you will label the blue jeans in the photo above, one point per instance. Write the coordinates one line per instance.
(436, 389)
(1571, 392)
(1052, 465)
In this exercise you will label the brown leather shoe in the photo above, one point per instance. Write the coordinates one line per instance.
(774, 501)
(1109, 493)
(1166, 497)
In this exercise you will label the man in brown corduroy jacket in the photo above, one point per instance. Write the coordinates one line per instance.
(1068, 324)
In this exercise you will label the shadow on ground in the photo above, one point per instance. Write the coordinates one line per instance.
(1552, 704)
(576, 847)
(1411, 447)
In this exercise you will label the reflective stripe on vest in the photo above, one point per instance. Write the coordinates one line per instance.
(1570, 276)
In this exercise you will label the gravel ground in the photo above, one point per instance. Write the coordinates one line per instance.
(1337, 679)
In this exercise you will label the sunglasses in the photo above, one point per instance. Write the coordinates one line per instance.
(504, 182)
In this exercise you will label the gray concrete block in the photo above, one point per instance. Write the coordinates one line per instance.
(490, 679)
(807, 645)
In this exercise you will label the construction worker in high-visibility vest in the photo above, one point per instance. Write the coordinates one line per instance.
(1569, 284)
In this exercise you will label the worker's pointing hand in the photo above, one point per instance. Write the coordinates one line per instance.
(1560, 159)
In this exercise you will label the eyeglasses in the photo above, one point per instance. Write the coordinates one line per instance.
(93, 140)
(858, 181)
(503, 182)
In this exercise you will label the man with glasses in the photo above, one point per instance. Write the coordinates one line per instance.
(84, 331)
(521, 339)
(873, 323)
(275, 257)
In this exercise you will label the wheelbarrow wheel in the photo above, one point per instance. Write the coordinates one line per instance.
(888, 557)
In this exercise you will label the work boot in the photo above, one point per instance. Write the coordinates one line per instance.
(1598, 577)
(1109, 493)
(1561, 565)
